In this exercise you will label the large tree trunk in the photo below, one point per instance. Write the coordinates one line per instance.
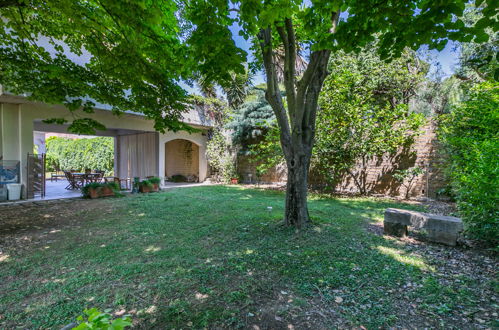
(296, 213)
(296, 120)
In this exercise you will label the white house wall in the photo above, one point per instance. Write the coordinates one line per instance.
(17, 117)
(198, 138)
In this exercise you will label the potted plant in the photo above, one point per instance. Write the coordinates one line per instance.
(91, 190)
(234, 180)
(145, 186)
(108, 189)
(97, 189)
(155, 181)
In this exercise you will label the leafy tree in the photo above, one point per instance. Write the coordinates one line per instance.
(252, 120)
(318, 27)
(238, 88)
(364, 113)
(406, 178)
(160, 43)
(471, 136)
(79, 53)
(479, 62)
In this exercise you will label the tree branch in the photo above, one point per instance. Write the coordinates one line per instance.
(11, 3)
(289, 41)
(273, 94)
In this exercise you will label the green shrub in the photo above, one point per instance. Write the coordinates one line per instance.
(406, 178)
(145, 183)
(178, 178)
(85, 190)
(471, 136)
(94, 319)
(154, 180)
(221, 156)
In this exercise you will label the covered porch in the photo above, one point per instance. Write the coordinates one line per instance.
(139, 151)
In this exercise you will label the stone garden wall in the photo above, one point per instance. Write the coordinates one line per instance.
(377, 177)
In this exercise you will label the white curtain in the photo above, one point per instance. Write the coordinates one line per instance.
(137, 155)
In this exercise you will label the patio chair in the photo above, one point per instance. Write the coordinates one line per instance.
(100, 176)
(75, 182)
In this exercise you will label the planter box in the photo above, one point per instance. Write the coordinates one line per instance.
(93, 193)
(143, 188)
(100, 192)
(106, 191)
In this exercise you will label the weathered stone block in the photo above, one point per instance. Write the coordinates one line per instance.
(395, 229)
(443, 223)
(441, 229)
(443, 237)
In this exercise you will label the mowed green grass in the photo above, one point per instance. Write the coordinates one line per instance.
(217, 257)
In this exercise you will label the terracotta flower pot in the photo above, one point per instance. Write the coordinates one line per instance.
(234, 180)
(143, 188)
(93, 193)
(106, 191)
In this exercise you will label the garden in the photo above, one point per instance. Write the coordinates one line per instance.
(166, 262)
(316, 117)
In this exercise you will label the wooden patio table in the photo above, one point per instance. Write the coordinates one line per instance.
(76, 180)
(87, 177)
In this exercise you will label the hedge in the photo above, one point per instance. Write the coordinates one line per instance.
(79, 154)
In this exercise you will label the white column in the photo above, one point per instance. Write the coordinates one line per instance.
(116, 156)
(17, 136)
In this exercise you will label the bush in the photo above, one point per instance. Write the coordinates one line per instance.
(471, 136)
(155, 180)
(178, 178)
(147, 183)
(221, 157)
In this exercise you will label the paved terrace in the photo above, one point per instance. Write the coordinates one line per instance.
(57, 190)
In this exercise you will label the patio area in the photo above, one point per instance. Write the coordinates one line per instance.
(57, 190)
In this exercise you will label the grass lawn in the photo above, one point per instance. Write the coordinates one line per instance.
(215, 257)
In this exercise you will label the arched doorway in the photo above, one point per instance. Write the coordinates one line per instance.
(182, 160)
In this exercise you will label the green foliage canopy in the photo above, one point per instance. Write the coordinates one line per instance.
(79, 53)
(138, 51)
(364, 112)
(479, 62)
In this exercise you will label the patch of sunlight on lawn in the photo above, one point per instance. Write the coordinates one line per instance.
(152, 248)
(200, 296)
(4, 257)
(401, 257)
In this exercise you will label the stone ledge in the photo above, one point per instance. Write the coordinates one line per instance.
(441, 229)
